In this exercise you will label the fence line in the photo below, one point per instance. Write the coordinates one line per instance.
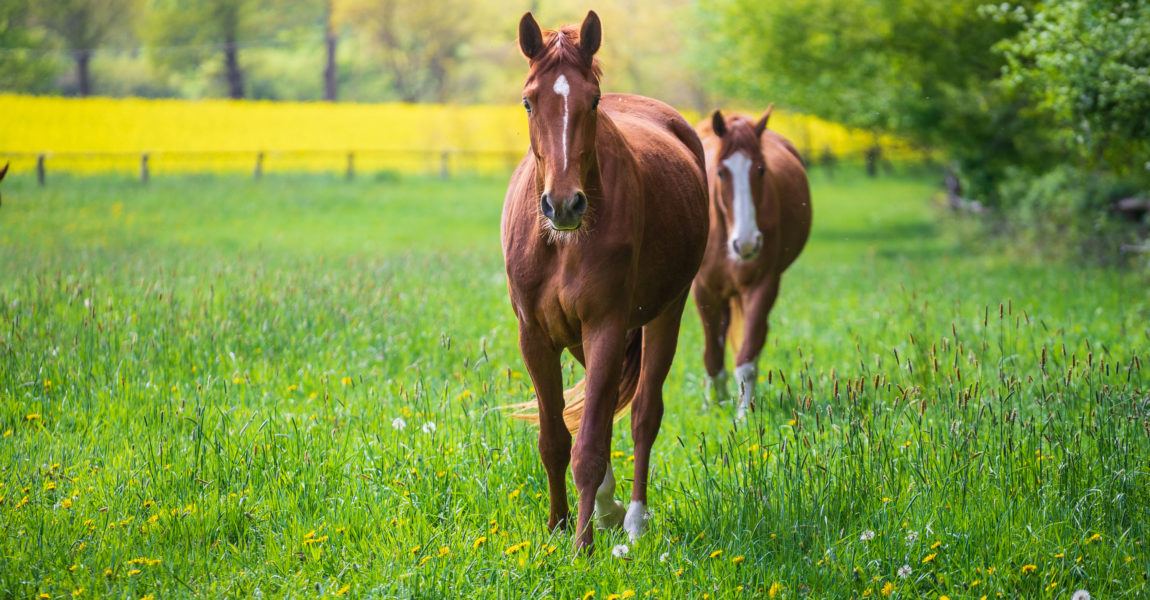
(441, 161)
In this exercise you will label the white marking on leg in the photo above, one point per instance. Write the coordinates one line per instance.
(746, 227)
(635, 523)
(717, 385)
(608, 512)
(563, 89)
(745, 376)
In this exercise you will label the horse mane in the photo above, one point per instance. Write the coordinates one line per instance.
(562, 47)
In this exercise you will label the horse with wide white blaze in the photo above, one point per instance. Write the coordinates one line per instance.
(760, 210)
(604, 225)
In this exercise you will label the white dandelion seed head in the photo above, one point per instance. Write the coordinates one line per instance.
(866, 536)
(1081, 595)
(620, 551)
(911, 536)
(398, 423)
(664, 556)
(904, 572)
(429, 427)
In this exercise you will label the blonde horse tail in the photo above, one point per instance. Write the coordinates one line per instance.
(575, 398)
(735, 328)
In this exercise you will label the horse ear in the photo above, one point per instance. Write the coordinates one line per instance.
(590, 36)
(761, 126)
(718, 125)
(530, 36)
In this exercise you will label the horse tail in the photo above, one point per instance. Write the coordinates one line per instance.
(735, 327)
(575, 398)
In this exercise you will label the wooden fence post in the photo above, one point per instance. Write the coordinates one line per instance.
(350, 165)
(144, 168)
(259, 171)
(40, 169)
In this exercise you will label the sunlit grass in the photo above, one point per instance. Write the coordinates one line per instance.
(287, 387)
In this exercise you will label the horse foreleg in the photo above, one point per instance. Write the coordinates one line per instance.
(755, 327)
(604, 350)
(714, 312)
(660, 338)
(543, 365)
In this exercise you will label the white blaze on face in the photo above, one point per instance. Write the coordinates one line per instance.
(746, 227)
(563, 89)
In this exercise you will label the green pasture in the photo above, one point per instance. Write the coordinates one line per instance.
(222, 387)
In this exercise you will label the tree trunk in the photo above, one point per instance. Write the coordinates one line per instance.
(83, 76)
(234, 75)
(329, 73)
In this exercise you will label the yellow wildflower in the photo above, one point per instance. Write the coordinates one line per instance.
(1026, 569)
(134, 572)
(76, 593)
(7, 432)
(738, 559)
(929, 557)
(1094, 538)
(935, 545)
(775, 589)
(716, 553)
(345, 381)
(627, 594)
(444, 550)
(343, 590)
(887, 588)
(32, 417)
(589, 594)
(479, 541)
(66, 503)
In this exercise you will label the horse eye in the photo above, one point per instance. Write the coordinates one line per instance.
(762, 171)
(595, 103)
(723, 175)
(527, 105)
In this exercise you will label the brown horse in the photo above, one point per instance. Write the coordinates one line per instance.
(604, 224)
(760, 221)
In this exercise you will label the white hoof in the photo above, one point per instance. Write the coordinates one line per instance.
(609, 516)
(635, 523)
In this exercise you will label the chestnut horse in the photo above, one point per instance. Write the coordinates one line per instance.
(760, 221)
(604, 225)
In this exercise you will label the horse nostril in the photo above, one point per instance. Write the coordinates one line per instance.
(580, 204)
(545, 206)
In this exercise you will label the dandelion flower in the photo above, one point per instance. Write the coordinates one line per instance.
(929, 557)
(775, 589)
(1026, 569)
(620, 551)
(589, 594)
(904, 572)
(429, 427)
(627, 594)
(866, 536)
(1094, 538)
(738, 559)
(398, 423)
(479, 541)
(887, 589)
(343, 590)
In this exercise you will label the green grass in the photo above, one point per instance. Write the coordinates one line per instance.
(200, 381)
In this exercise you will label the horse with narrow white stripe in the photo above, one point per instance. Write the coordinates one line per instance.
(760, 220)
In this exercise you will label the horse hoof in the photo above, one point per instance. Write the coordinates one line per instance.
(612, 517)
(635, 523)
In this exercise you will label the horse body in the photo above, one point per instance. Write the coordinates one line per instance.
(738, 282)
(599, 263)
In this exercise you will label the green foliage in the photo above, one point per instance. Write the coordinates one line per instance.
(1084, 67)
(209, 372)
(24, 63)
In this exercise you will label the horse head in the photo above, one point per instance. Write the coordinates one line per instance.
(561, 96)
(742, 171)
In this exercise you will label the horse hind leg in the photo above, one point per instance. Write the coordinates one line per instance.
(609, 512)
(715, 316)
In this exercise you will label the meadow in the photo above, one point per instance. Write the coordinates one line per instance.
(212, 386)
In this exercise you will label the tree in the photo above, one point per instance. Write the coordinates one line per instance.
(420, 43)
(82, 25)
(1084, 68)
(24, 63)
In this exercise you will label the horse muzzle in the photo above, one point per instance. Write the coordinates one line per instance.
(564, 215)
(748, 247)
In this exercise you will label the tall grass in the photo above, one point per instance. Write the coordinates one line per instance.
(287, 387)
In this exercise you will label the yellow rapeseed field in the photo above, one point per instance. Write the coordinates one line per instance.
(105, 134)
